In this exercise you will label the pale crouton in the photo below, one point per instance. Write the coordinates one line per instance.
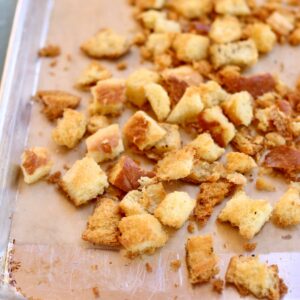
(108, 97)
(159, 100)
(262, 184)
(249, 275)
(96, 122)
(220, 128)
(239, 162)
(239, 108)
(141, 234)
(175, 209)
(243, 54)
(295, 127)
(131, 204)
(91, 75)
(70, 129)
(202, 263)
(106, 43)
(190, 47)
(136, 83)
(55, 102)
(142, 131)
(84, 181)
(150, 17)
(225, 30)
(188, 107)
(102, 226)
(105, 144)
(287, 210)
(212, 93)
(148, 4)
(158, 43)
(192, 9)
(166, 26)
(280, 23)
(36, 163)
(232, 7)
(247, 214)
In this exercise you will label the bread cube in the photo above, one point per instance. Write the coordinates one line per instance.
(212, 93)
(150, 17)
(105, 44)
(239, 162)
(131, 203)
(225, 30)
(295, 127)
(232, 7)
(243, 54)
(294, 37)
(36, 163)
(190, 47)
(108, 97)
(148, 4)
(141, 234)
(96, 122)
(192, 9)
(166, 26)
(280, 23)
(70, 129)
(202, 263)
(247, 214)
(159, 43)
(136, 83)
(105, 144)
(262, 184)
(84, 181)
(175, 209)
(102, 226)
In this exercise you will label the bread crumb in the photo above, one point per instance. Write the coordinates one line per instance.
(286, 237)
(96, 292)
(54, 178)
(218, 285)
(263, 185)
(148, 268)
(191, 227)
(53, 63)
(121, 66)
(249, 246)
(175, 265)
(49, 51)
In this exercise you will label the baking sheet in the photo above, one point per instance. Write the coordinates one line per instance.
(52, 261)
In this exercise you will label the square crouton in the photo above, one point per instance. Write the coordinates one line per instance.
(36, 163)
(239, 162)
(141, 234)
(97, 122)
(105, 144)
(102, 226)
(280, 23)
(202, 263)
(159, 100)
(175, 209)
(131, 203)
(249, 275)
(70, 129)
(287, 210)
(192, 9)
(167, 26)
(106, 44)
(84, 181)
(150, 17)
(108, 97)
(136, 83)
(158, 43)
(93, 73)
(247, 214)
(220, 128)
(232, 7)
(190, 47)
(239, 108)
(55, 102)
(188, 107)
(148, 4)
(225, 30)
(142, 131)
(243, 54)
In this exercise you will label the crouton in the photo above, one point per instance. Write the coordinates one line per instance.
(262, 184)
(70, 129)
(150, 17)
(55, 102)
(247, 214)
(239, 108)
(192, 9)
(109, 97)
(158, 43)
(136, 83)
(167, 26)
(105, 144)
(239, 162)
(142, 131)
(202, 263)
(36, 163)
(149, 4)
(249, 275)
(220, 128)
(232, 7)
(96, 122)
(295, 127)
(102, 226)
(280, 23)
(175, 209)
(130, 204)
(243, 54)
(159, 100)
(287, 210)
(225, 30)
(84, 181)
(49, 51)
(141, 234)
(274, 139)
(105, 44)
(190, 47)
(294, 37)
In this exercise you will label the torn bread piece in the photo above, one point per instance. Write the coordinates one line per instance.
(131, 203)
(102, 226)
(239, 162)
(192, 9)
(70, 129)
(232, 7)
(212, 93)
(175, 209)
(251, 276)
(84, 181)
(247, 214)
(36, 164)
(202, 262)
(281, 23)
(97, 122)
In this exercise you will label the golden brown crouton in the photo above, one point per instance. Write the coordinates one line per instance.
(96, 122)
(239, 162)
(150, 17)
(36, 163)
(232, 7)
(166, 26)
(84, 181)
(131, 204)
(192, 9)
(280, 23)
(102, 226)
(158, 43)
(200, 259)
(294, 37)
(49, 51)
(262, 184)
(148, 4)
(70, 129)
